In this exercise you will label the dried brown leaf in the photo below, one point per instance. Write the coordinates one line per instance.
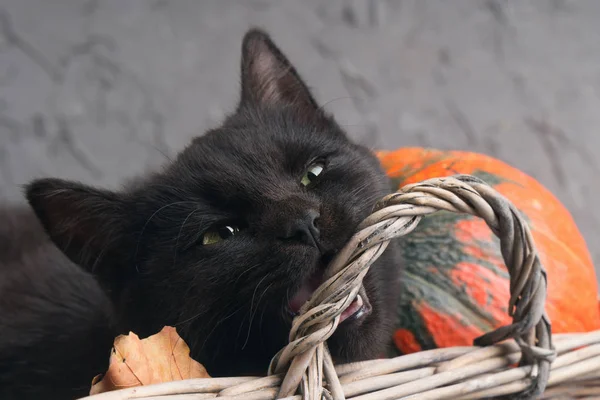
(159, 358)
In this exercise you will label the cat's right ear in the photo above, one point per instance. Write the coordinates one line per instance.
(84, 223)
(268, 78)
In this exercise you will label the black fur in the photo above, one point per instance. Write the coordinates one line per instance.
(55, 323)
(228, 300)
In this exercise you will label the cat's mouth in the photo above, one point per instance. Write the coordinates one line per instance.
(357, 310)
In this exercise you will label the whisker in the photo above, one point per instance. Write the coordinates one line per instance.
(260, 322)
(137, 248)
(254, 314)
(179, 235)
(251, 306)
(219, 323)
(322, 106)
(255, 289)
(190, 319)
(246, 271)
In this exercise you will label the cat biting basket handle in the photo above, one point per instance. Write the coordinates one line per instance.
(397, 215)
(306, 364)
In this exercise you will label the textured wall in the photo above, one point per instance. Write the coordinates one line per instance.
(101, 90)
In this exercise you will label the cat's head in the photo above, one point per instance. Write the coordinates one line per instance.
(229, 240)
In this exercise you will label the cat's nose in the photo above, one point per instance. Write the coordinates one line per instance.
(303, 229)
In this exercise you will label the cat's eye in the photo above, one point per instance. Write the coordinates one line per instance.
(312, 172)
(219, 234)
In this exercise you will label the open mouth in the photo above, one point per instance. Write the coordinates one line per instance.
(357, 310)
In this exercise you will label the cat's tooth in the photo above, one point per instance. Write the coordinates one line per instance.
(359, 301)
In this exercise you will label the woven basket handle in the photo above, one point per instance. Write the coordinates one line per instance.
(306, 358)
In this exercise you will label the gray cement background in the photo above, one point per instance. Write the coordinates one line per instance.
(101, 90)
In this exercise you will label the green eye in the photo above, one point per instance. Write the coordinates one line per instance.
(313, 171)
(218, 235)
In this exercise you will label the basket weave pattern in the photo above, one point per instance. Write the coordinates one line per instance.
(304, 368)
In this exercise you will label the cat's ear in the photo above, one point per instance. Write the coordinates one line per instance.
(268, 78)
(84, 223)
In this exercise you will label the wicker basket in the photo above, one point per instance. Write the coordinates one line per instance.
(518, 360)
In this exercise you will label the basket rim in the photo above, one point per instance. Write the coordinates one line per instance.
(579, 356)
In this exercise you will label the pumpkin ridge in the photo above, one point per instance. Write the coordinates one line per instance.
(435, 161)
(444, 252)
(469, 313)
(549, 235)
(494, 179)
(431, 161)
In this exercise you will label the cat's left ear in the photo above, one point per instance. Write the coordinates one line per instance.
(268, 78)
(85, 223)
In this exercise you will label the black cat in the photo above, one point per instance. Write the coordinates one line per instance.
(225, 244)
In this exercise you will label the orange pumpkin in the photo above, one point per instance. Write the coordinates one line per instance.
(455, 286)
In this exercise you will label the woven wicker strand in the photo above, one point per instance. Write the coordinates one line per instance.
(305, 365)
(575, 372)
